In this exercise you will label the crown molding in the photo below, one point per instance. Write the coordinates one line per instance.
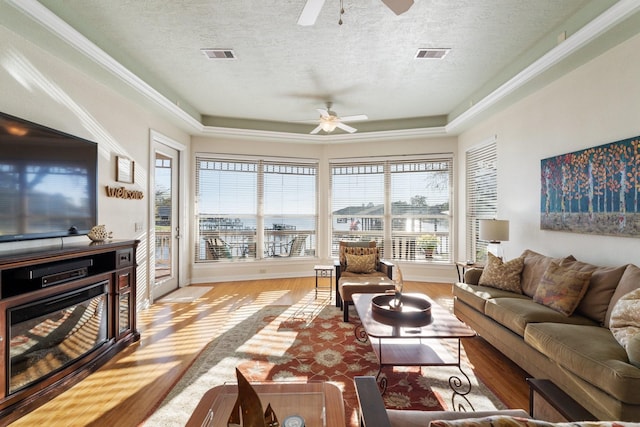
(222, 132)
(594, 29)
(47, 19)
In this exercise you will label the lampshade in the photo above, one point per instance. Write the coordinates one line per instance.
(494, 230)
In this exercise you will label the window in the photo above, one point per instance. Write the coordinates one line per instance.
(253, 209)
(403, 204)
(482, 195)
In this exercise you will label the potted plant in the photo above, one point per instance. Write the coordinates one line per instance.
(427, 243)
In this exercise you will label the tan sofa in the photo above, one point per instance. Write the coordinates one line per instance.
(578, 352)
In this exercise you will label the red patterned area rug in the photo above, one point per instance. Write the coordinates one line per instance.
(308, 342)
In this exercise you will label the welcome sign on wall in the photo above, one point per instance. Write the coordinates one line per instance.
(596, 190)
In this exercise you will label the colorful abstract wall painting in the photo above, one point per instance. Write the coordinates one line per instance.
(596, 190)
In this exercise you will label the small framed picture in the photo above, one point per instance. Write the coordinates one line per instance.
(124, 170)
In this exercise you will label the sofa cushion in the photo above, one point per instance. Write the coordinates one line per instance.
(561, 288)
(629, 281)
(363, 284)
(602, 285)
(589, 352)
(502, 275)
(535, 265)
(625, 319)
(516, 313)
(361, 263)
(476, 296)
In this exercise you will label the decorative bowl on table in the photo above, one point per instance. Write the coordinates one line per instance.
(409, 308)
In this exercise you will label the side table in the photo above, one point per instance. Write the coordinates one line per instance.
(461, 268)
(548, 403)
(324, 271)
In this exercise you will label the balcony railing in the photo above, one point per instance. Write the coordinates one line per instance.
(218, 245)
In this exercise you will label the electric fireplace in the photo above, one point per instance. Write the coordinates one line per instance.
(49, 334)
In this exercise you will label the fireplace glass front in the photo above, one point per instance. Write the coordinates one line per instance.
(49, 334)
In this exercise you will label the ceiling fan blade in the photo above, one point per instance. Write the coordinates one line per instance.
(323, 112)
(398, 6)
(346, 128)
(357, 118)
(316, 130)
(310, 12)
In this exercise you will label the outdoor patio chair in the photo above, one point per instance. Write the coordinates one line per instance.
(218, 248)
(294, 247)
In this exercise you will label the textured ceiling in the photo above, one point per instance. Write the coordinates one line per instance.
(284, 71)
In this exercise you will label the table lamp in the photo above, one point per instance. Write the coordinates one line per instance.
(495, 231)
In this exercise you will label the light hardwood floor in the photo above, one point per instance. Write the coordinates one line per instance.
(131, 385)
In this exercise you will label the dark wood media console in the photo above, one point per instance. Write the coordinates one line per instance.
(63, 313)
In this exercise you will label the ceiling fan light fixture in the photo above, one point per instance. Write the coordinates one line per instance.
(328, 125)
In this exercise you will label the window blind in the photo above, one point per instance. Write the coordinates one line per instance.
(420, 197)
(254, 208)
(395, 202)
(482, 195)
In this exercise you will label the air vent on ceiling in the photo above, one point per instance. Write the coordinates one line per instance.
(219, 53)
(431, 53)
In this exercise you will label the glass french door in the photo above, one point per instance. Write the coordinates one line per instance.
(166, 225)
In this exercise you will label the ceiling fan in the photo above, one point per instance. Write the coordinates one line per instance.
(329, 121)
(312, 9)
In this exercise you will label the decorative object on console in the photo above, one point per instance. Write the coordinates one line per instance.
(99, 233)
(248, 408)
(592, 190)
(495, 231)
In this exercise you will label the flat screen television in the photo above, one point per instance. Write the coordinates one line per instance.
(48, 182)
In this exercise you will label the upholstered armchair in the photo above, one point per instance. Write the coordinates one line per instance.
(359, 269)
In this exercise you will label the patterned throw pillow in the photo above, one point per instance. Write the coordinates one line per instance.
(502, 275)
(358, 250)
(625, 324)
(361, 263)
(561, 288)
(508, 421)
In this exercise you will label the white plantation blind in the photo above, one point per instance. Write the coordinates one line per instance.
(393, 201)
(242, 202)
(357, 202)
(290, 189)
(219, 182)
(420, 196)
(482, 195)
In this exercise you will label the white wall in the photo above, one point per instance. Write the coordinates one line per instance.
(43, 89)
(596, 104)
(269, 268)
